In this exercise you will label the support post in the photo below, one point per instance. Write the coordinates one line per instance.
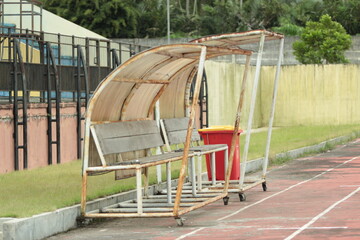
(83, 193)
(199, 168)
(158, 151)
(139, 191)
(252, 108)
(168, 181)
(272, 111)
(213, 168)
(230, 159)
(193, 176)
(189, 131)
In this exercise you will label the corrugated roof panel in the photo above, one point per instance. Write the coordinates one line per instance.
(237, 39)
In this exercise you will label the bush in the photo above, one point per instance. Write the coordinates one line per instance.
(322, 42)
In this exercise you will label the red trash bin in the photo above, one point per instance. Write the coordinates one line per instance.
(221, 135)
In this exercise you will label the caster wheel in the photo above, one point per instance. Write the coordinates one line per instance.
(242, 197)
(264, 186)
(180, 221)
(226, 200)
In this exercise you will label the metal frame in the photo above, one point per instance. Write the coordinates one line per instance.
(81, 74)
(53, 86)
(203, 101)
(242, 185)
(19, 75)
(197, 54)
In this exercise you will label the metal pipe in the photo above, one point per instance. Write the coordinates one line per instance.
(199, 171)
(189, 131)
(252, 108)
(235, 136)
(213, 167)
(168, 181)
(83, 193)
(193, 175)
(272, 112)
(139, 191)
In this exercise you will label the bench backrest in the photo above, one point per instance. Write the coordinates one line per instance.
(176, 130)
(119, 137)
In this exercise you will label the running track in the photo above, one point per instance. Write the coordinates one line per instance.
(316, 197)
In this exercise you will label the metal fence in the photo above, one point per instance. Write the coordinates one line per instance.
(52, 68)
(101, 56)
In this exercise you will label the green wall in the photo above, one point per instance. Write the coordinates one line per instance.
(308, 94)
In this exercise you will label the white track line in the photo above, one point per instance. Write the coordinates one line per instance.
(321, 214)
(296, 228)
(271, 196)
(190, 233)
(285, 190)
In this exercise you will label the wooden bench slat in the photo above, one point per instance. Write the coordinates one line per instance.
(160, 157)
(175, 124)
(131, 143)
(124, 129)
(176, 137)
(205, 148)
(176, 129)
(119, 137)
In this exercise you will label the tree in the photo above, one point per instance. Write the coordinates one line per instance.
(322, 42)
(347, 13)
(110, 18)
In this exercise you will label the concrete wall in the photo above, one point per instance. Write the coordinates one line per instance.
(37, 136)
(270, 54)
(308, 94)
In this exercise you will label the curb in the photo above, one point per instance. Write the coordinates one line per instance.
(47, 224)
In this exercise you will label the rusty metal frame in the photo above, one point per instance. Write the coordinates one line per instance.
(242, 184)
(199, 53)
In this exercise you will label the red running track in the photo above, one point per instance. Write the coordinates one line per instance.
(316, 197)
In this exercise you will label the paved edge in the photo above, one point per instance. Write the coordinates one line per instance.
(47, 224)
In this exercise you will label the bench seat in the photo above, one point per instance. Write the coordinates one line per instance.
(174, 131)
(204, 149)
(151, 160)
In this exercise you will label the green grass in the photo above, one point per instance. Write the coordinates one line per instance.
(288, 138)
(26, 193)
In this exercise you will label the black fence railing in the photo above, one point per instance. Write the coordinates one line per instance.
(101, 56)
(52, 68)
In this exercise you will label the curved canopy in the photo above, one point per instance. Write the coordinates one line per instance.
(236, 39)
(131, 90)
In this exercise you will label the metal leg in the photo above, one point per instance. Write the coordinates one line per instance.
(146, 181)
(213, 169)
(138, 191)
(226, 160)
(199, 180)
(83, 193)
(168, 181)
(158, 174)
(252, 109)
(272, 111)
(193, 176)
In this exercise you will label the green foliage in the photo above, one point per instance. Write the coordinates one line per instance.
(263, 14)
(115, 18)
(347, 13)
(288, 28)
(322, 42)
(151, 21)
(148, 18)
(220, 17)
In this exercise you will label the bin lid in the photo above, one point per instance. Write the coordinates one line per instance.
(219, 128)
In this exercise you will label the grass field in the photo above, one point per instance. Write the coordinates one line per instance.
(26, 193)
